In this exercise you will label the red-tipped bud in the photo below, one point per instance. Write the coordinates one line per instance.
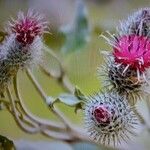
(102, 114)
(27, 27)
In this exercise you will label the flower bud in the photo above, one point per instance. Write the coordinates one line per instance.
(138, 23)
(26, 32)
(109, 119)
(27, 27)
(22, 47)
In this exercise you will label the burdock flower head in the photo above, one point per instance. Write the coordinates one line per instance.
(128, 64)
(23, 46)
(26, 32)
(27, 27)
(109, 119)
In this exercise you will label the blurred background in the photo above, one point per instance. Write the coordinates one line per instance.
(81, 63)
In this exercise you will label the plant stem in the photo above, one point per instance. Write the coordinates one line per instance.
(41, 122)
(16, 117)
(62, 79)
(34, 127)
(44, 97)
(36, 85)
(75, 133)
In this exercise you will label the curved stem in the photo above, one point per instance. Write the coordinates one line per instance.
(61, 116)
(73, 133)
(16, 117)
(33, 127)
(41, 122)
(57, 135)
(70, 135)
(36, 85)
(44, 97)
(62, 79)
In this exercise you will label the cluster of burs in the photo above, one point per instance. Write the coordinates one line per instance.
(111, 115)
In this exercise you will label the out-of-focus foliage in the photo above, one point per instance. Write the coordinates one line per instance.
(27, 145)
(2, 36)
(3, 104)
(77, 33)
(6, 144)
(88, 146)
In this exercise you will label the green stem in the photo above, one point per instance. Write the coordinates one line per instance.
(42, 122)
(16, 117)
(44, 97)
(62, 79)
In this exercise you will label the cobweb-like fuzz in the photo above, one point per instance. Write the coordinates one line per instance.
(27, 44)
(23, 46)
(138, 23)
(116, 78)
(126, 67)
(109, 119)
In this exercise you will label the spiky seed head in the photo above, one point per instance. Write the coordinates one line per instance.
(109, 119)
(23, 46)
(126, 81)
(138, 23)
(26, 47)
(127, 67)
(133, 51)
(27, 27)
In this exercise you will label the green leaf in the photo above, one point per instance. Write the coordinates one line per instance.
(77, 100)
(6, 144)
(69, 99)
(77, 33)
(80, 94)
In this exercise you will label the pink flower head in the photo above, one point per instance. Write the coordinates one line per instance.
(133, 51)
(27, 27)
(102, 114)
